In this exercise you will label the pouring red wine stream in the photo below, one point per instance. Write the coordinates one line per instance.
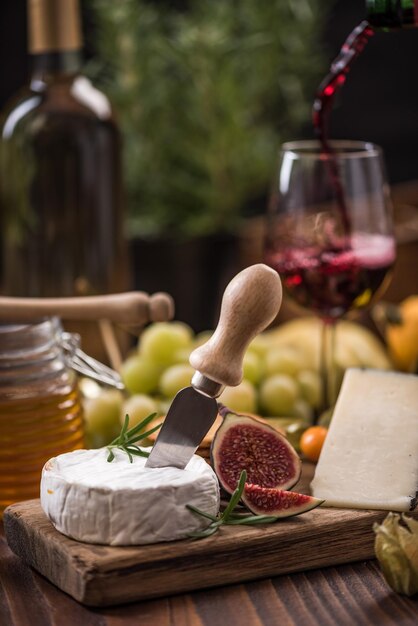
(324, 99)
(335, 79)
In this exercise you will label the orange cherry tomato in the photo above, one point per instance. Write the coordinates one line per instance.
(312, 441)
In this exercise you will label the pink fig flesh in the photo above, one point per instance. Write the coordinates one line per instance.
(245, 443)
(267, 501)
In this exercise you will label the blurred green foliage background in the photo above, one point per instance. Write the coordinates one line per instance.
(205, 94)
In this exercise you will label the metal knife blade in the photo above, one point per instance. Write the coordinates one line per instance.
(250, 302)
(189, 418)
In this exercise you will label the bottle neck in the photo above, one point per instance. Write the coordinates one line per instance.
(55, 42)
(392, 14)
(52, 66)
(64, 63)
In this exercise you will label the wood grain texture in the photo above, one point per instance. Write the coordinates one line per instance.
(347, 595)
(104, 576)
(250, 303)
(135, 308)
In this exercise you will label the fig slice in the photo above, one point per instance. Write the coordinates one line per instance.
(277, 502)
(244, 443)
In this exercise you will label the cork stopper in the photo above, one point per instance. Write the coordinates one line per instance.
(54, 26)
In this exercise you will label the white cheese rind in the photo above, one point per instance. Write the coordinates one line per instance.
(370, 455)
(123, 503)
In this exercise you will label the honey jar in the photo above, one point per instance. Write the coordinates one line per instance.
(40, 408)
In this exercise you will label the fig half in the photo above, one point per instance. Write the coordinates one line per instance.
(266, 501)
(245, 443)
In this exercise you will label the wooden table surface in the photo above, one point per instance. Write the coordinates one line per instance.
(353, 594)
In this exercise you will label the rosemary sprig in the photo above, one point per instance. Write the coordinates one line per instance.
(127, 439)
(228, 517)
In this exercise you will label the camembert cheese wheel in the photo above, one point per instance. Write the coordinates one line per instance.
(122, 503)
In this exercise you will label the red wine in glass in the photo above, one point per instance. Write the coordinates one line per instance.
(325, 266)
(331, 281)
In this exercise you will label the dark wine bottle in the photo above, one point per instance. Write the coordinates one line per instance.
(61, 197)
(391, 14)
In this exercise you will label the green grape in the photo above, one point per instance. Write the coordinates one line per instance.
(89, 388)
(137, 407)
(101, 417)
(326, 417)
(295, 431)
(278, 394)
(140, 375)
(283, 360)
(163, 405)
(259, 345)
(175, 378)
(310, 387)
(252, 367)
(202, 338)
(242, 399)
(182, 355)
(160, 341)
(303, 410)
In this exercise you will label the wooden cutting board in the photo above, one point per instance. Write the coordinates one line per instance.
(102, 575)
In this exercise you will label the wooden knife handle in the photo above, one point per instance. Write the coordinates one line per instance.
(250, 302)
(134, 308)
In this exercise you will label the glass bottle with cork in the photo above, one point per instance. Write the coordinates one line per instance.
(61, 192)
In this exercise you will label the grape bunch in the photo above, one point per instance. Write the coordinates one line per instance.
(281, 378)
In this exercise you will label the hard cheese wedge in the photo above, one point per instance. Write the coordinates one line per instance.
(370, 456)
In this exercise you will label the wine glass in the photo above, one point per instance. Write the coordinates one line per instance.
(330, 234)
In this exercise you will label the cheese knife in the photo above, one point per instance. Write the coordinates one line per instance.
(250, 302)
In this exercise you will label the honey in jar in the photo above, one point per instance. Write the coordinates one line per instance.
(40, 409)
